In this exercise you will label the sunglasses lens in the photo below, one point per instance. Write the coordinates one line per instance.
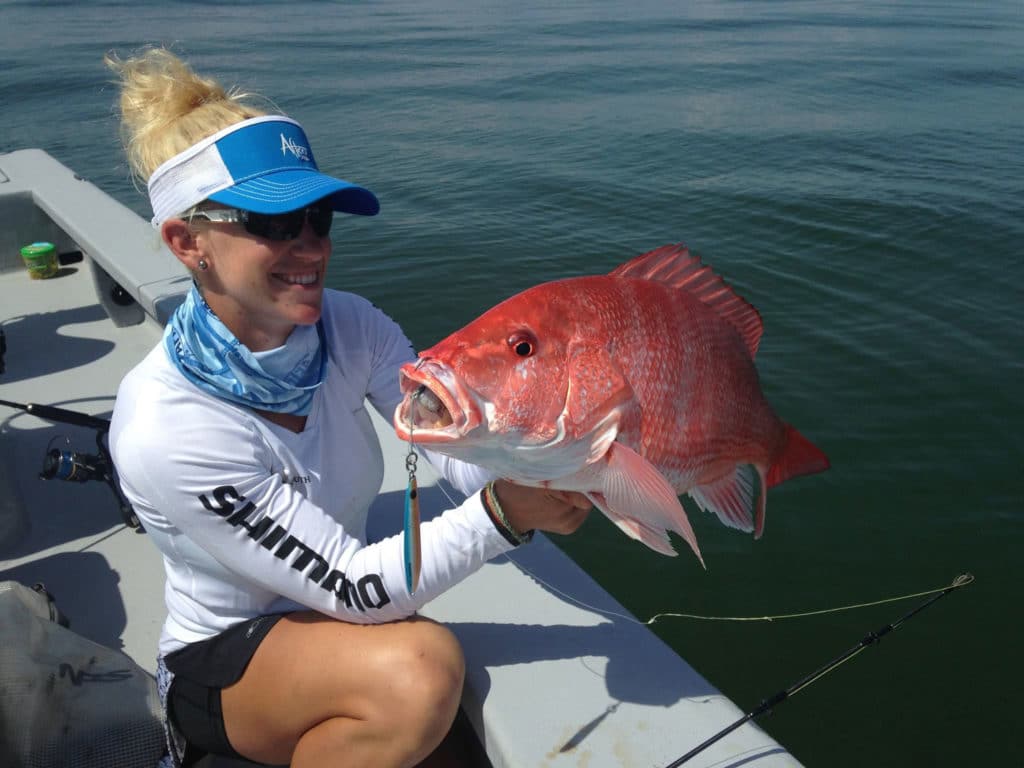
(276, 226)
(320, 218)
(288, 226)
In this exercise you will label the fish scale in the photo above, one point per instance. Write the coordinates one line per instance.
(632, 387)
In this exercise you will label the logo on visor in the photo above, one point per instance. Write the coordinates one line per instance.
(300, 151)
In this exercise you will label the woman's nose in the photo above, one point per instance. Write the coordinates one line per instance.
(310, 244)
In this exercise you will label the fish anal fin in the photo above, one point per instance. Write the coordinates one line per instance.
(674, 266)
(736, 499)
(633, 488)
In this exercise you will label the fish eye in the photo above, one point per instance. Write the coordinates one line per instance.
(523, 343)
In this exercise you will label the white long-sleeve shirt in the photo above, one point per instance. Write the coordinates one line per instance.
(252, 518)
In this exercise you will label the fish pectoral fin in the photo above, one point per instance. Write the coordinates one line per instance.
(634, 489)
(655, 538)
(734, 498)
(603, 436)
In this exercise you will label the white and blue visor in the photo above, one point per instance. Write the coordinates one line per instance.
(264, 165)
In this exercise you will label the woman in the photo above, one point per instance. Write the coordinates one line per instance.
(243, 444)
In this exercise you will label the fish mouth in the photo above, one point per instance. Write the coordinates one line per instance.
(436, 407)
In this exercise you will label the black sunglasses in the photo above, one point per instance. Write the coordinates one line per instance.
(273, 226)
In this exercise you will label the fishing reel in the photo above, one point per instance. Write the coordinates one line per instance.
(79, 467)
(74, 466)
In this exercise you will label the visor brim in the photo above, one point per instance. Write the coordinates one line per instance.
(288, 190)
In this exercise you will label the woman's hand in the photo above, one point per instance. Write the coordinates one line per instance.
(542, 509)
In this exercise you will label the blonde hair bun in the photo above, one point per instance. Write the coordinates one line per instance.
(166, 107)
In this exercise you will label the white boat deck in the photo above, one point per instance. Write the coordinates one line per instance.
(549, 683)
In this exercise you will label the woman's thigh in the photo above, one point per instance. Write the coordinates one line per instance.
(374, 681)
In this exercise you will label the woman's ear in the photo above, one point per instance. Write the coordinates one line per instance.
(182, 242)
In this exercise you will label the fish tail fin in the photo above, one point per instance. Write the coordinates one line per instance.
(799, 456)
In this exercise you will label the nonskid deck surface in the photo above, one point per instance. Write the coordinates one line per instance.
(63, 351)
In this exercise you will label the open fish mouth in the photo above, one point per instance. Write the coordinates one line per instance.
(436, 408)
(426, 410)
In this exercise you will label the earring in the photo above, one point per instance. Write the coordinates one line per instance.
(203, 266)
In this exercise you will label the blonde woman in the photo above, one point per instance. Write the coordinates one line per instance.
(243, 444)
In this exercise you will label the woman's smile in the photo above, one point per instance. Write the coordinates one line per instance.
(298, 278)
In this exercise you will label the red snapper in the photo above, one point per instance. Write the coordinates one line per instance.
(632, 387)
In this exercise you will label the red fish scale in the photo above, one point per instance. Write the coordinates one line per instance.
(702, 410)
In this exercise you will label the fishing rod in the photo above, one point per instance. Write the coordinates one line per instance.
(50, 413)
(77, 466)
(870, 639)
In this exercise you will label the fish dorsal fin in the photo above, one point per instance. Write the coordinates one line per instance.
(675, 266)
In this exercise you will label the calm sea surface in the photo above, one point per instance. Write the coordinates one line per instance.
(854, 169)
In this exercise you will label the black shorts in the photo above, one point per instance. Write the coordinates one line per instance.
(200, 671)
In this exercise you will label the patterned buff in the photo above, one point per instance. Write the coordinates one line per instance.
(281, 380)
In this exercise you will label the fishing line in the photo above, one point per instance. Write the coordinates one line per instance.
(960, 581)
(767, 705)
(870, 639)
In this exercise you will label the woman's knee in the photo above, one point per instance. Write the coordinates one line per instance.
(394, 684)
(427, 672)
(418, 674)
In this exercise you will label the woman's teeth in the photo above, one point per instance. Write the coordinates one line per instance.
(299, 279)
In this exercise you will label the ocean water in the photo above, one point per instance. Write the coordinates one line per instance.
(853, 169)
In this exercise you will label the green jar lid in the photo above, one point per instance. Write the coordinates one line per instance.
(37, 249)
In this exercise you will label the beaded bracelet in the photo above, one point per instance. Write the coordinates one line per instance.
(497, 515)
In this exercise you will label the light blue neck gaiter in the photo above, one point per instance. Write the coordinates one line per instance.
(281, 380)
